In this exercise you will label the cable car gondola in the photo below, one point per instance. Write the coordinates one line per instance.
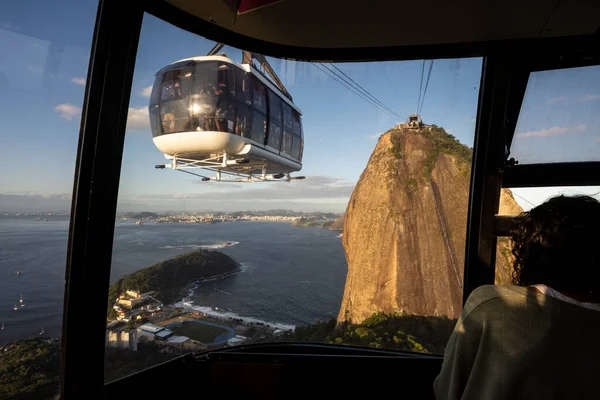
(212, 113)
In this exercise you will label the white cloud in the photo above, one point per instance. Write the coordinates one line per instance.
(313, 187)
(554, 131)
(589, 97)
(78, 81)
(315, 193)
(68, 111)
(138, 119)
(555, 100)
(146, 92)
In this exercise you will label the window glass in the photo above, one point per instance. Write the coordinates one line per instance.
(203, 265)
(259, 126)
(45, 49)
(287, 117)
(225, 114)
(259, 95)
(286, 146)
(175, 85)
(515, 201)
(175, 116)
(275, 109)
(155, 120)
(243, 87)
(296, 123)
(156, 90)
(274, 136)
(243, 125)
(559, 117)
(225, 80)
(296, 147)
(204, 78)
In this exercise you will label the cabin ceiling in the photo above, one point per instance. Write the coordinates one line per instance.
(348, 24)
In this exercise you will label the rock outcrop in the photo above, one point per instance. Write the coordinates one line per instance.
(338, 224)
(405, 227)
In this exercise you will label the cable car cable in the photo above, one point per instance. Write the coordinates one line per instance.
(364, 92)
(353, 90)
(420, 86)
(363, 89)
(389, 81)
(426, 85)
(523, 198)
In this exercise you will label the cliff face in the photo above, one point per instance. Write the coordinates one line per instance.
(405, 227)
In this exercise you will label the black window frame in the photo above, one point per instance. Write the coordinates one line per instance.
(102, 133)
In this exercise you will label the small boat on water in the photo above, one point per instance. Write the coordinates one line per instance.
(15, 307)
(2, 326)
(42, 332)
(18, 273)
(21, 299)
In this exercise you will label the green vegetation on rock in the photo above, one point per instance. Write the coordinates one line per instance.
(383, 331)
(443, 142)
(168, 278)
(30, 369)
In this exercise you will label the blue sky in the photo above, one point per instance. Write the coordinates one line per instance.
(43, 82)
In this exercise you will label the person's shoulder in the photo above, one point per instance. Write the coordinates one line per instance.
(490, 295)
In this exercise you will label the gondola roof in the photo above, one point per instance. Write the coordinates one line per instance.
(344, 24)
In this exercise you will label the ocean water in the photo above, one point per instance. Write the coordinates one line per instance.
(289, 275)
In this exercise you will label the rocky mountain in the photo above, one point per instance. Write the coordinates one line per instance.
(405, 227)
(337, 225)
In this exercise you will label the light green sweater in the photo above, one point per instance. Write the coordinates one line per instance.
(514, 343)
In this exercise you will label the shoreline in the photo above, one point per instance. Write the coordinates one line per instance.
(225, 316)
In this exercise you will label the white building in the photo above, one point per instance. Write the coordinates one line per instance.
(122, 339)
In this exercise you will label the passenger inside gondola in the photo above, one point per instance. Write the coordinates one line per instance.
(537, 339)
(220, 112)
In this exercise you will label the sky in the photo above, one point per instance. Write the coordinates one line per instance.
(43, 80)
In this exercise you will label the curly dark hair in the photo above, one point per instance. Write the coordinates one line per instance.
(558, 244)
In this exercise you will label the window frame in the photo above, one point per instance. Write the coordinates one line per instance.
(99, 155)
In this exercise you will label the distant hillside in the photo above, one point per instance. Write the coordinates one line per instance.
(306, 223)
(169, 277)
(405, 227)
(142, 215)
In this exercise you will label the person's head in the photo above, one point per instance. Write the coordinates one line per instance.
(558, 244)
